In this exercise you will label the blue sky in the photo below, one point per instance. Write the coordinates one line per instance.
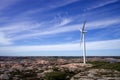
(51, 27)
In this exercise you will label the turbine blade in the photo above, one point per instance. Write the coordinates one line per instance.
(83, 26)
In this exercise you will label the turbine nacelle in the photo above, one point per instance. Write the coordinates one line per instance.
(83, 28)
(82, 31)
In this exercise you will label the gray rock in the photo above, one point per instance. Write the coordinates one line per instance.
(91, 75)
(97, 74)
(4, 76)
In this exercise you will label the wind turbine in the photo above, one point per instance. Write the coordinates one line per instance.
(82, 41)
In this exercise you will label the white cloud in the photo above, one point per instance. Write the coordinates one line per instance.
(68, 38)
(6, 3)
(102, 23)
(98, 45)
(17, 27)
(69, 28)
(59, 3)
(101, 4)
(4, 40)
(48, 6)
(28, 29)
(108, 44)
(64, 22)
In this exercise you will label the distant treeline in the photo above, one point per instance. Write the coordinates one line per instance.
(46, 57)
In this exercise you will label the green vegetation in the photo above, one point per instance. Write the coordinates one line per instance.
(27, 75)
(56, 76)
(106, 65)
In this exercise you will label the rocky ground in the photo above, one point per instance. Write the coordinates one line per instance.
(58, 69)
(97, 74)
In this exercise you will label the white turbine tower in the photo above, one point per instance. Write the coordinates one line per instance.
(83, 42)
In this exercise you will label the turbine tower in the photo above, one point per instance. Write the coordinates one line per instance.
(83, 42)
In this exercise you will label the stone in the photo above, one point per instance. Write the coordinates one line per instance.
(4, 76)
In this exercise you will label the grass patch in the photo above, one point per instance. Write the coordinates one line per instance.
(55, 76)
(106, 65)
